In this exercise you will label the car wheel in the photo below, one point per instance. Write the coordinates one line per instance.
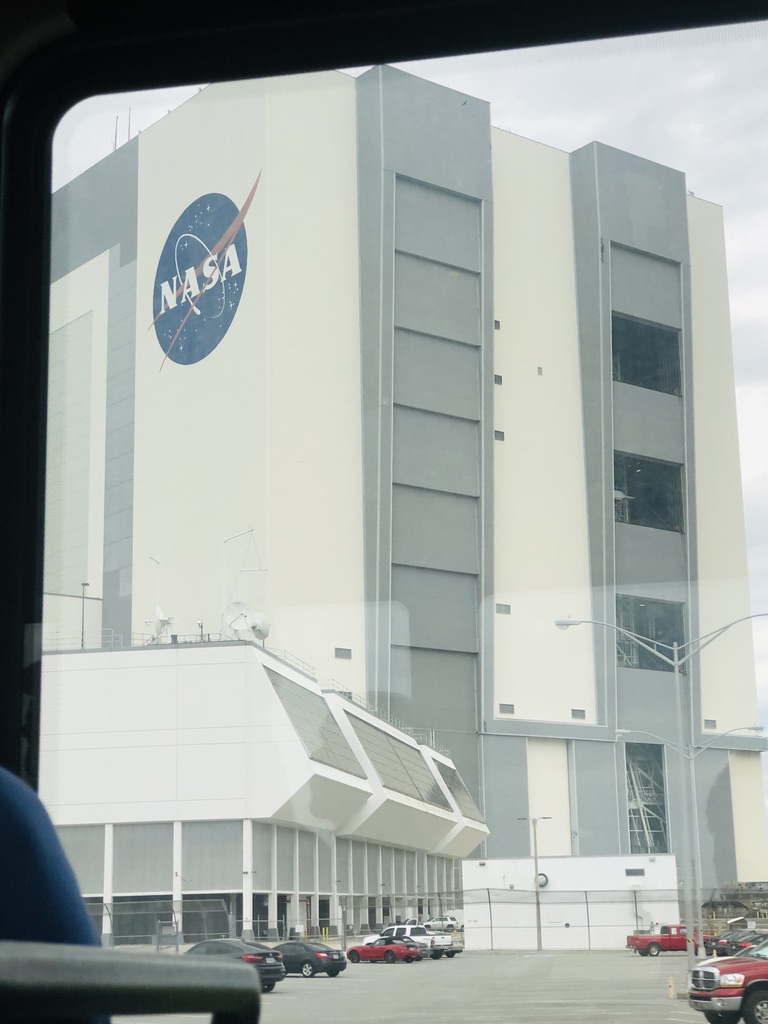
(307, 969)
(654, 949)
(642, 952)
(436, 956)
(755, 1008)
(390, 957)
(267, 986)
(408, 959)
(354, 957)
(721, 1018)
(452, 953)
(333, 974)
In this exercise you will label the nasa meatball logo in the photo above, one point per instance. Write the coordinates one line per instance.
(200, 277)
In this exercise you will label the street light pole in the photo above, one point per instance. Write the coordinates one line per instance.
(537, 898)
(688, 850)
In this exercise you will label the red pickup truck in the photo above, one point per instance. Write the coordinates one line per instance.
(725, 990)
(671, 938)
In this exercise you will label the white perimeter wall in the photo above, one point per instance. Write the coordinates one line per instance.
(265, 431)
(587, 903)
(540, 540)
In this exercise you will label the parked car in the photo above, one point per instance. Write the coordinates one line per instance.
(443, 923)
(406, 940)
(743, 941)
(310, 958)
(267, 961)
(384, 949)
(723, 943)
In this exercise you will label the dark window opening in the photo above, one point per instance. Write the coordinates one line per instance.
(506, 709)
(497, 378)
(646, 355)
(634, 872)
(503, 609)
(646, 799)
(658, 622)
(343, 652)
(647, 493)
(499, 435)
(710, 723)
(578, 713)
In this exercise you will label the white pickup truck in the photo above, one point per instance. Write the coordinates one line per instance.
(432, 945)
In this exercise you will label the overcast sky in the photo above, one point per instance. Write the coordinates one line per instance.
(696, 101)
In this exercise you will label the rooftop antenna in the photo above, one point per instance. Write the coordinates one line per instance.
(161, 625)
(157, 579)
(224, 594)
(245, 624)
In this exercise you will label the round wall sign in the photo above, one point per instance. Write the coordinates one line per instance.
(200, 278)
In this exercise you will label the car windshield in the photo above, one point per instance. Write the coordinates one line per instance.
(406, 466)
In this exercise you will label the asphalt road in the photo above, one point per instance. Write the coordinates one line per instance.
(486, 988)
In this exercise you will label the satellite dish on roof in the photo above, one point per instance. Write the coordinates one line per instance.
(244, 624)
(160, 626)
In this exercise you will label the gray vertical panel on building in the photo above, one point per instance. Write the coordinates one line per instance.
(84, 847)
(434, 530)
(424, 169)
(410, 871)
(343, 880)
(118, 467)
(647, 701)
(505, 763)
(437, 224)
(630, 235)
(143, 858)
(597, 785)
(358, 867)
(372, 860)
(434, 451)
(649, 556)
(437, 300)
(306, 861)
(714, 807)
(286, 842)
(324, 862)
(433, 374)
(212, 855)
(262, 856)
(439, 609)
(386, 870)
(647, 423)
(646, 286)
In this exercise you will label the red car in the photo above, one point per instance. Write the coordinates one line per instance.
(385, 949)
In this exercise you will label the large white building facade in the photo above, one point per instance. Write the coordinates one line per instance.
(412, 387)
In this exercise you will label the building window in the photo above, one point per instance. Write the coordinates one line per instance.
(497, 378)
(710, 723)
(659, 622)
(634, 872)
(343, 652)
(646, 798)
(506, 709)
(496, 325)
(499, 435)
(646, 354)
(647, 493)
(503, 609)
(578, 713)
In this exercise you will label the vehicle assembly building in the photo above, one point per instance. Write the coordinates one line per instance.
(341, 373)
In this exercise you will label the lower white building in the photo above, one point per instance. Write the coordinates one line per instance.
(219, 772)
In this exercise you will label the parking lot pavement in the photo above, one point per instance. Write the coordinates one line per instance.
(488, 988)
